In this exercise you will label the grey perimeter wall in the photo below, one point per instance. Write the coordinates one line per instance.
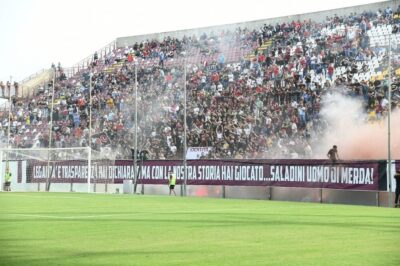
(315, 195)
(315, 16)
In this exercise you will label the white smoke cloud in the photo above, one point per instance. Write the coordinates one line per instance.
(355, 136)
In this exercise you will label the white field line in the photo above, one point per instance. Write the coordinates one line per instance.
(39, 196)
(136, 214)
(65, 217)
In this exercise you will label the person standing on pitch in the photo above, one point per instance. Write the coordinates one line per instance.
(7, 183)
(397, 177)
(333, 154)
(171, 182)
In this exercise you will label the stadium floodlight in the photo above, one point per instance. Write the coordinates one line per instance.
(386, 35)
(50, 129)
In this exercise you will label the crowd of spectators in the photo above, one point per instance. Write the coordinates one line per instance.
(265, 105)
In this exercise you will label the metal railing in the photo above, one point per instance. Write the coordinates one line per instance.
(33, 76)
(82, 64)
(87, 61)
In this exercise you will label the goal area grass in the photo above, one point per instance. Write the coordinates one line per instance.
(100, 229)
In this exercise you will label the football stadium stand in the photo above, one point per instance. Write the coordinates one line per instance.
(252, 92)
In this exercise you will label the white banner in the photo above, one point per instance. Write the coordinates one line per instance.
(196, 153)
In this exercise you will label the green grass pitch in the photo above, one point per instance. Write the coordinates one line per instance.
(97, 229)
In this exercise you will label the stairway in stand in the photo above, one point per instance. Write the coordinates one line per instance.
(260, 49)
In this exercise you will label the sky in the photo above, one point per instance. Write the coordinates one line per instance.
(36, 33)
